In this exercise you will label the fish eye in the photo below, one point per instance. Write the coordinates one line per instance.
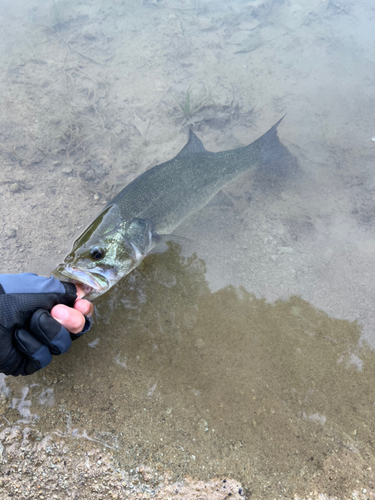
(97, 253)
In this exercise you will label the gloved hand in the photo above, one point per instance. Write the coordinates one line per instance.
(29, 335)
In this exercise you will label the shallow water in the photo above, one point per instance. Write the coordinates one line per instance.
(246, 351)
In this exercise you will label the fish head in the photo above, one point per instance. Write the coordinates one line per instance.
(109, 249)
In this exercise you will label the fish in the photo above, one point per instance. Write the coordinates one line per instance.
(148, 210)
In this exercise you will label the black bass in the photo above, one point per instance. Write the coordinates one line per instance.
(152, 206)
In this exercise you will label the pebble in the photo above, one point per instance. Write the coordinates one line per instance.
(199, 344)
(89, 33)
(15, 187)
(88, 175)
(285, 250)
(67, 170)
(11, 233)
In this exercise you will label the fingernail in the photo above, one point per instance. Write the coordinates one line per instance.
(86, 310)
(82, 306)
(60, 313)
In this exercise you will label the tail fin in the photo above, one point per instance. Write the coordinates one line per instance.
(275, 158)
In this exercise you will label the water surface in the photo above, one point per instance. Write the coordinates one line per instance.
(246, 351)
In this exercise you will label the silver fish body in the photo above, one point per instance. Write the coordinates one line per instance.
(151, 207)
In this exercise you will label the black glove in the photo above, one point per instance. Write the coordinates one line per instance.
(29, 336)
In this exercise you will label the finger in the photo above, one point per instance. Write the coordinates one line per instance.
(69, 318)
(38, 353)
(50, 332)
(84, 306)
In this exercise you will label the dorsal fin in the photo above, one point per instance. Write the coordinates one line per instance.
(194, 145)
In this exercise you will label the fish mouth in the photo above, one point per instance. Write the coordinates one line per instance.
(94, 284)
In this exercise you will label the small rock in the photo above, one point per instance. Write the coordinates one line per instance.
(285, 250)
(11, 233)
(141, 125)
(199, 344)
(88, 175)
(15, 187)
(67, 170)
(89, 33)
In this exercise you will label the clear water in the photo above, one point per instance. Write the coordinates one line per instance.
(248, 349)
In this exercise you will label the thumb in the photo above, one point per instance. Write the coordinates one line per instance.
(71, 319)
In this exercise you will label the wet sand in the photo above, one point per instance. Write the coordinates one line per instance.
(246, 353)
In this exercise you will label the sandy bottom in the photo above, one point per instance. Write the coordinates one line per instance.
(240, 361)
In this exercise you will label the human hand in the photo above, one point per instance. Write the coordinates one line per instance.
(73, 318)
(29, 333)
